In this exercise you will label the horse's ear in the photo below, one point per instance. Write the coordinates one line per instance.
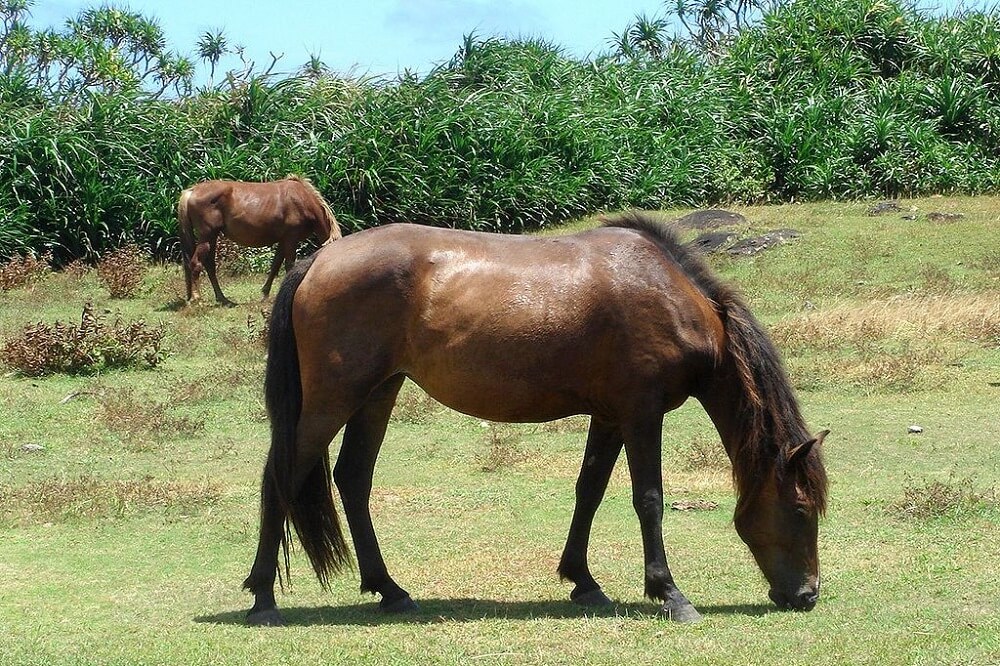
(802, 450)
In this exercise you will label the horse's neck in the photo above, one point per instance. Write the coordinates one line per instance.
(728, 406)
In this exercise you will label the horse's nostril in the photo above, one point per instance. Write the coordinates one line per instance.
(807, 600)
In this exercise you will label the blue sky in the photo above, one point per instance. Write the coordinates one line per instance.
(370, 36)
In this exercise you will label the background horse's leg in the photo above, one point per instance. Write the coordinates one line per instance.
(284, 252)
(353, 475)
(642, 448)
(206, 252)
(604, 443)
(194, 266)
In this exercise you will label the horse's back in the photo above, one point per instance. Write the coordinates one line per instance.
(556, 325)
(254, 214)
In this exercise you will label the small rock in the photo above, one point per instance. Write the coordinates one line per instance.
(751, 246)
(884, 207)
(944, 217)
(712, 241)
(914, 430)
(32, 448)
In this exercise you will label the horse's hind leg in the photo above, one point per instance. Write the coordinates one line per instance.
(642, 447)
(312, 441)
(604, 443)
(284, 253)
(353, 475)
(260, 582)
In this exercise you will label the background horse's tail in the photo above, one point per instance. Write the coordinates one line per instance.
(308, 508)
(185, 229)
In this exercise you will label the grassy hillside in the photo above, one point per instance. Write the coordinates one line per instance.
(127, 534)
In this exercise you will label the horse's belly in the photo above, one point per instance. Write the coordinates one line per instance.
(501, 399)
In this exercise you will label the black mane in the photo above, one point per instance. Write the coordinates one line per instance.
(770, 420)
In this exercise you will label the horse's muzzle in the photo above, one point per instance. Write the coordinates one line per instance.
(802, 600)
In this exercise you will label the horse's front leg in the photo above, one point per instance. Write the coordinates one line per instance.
(353, 475)
(207, 253)
(604, 443)
(642, 448)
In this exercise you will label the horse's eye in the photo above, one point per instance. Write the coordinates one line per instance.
(801, 511)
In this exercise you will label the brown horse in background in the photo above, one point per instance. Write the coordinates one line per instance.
(621, 322)
(283, 212)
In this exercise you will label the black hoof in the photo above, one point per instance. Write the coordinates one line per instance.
(401, 605)
(593, 599)
(681, 612)
(269, 617)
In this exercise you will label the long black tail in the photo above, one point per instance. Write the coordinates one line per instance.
(308, 508)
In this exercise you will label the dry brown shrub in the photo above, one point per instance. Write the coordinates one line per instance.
(954, 498)
(503, 447)
(570, 424)
(42, 349)
(235, 260)
(24, 270)
(76, 268)
(704, 454)
(122, 271)
(413, 405)
(89, 497)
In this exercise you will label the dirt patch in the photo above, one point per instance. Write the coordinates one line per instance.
(694, 505)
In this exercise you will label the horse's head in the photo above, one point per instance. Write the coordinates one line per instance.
(779, 524)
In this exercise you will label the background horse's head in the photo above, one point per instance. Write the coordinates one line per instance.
(779, 523)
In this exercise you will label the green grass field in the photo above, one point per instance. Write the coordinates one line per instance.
(124, 539)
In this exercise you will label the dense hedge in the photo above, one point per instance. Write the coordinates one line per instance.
(821, 98)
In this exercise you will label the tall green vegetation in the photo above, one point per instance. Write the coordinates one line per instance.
(784, 101)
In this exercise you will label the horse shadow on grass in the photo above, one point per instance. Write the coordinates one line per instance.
(435, 611)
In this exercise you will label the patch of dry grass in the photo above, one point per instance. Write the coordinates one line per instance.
(142, 423)
(250, 339)
(414, 406)
(93, 498)
(966, 317)
(568, 425)
(703, 454)
(891, 344)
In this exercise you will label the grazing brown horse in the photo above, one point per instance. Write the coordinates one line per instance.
(620, 322)
(283, 212)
